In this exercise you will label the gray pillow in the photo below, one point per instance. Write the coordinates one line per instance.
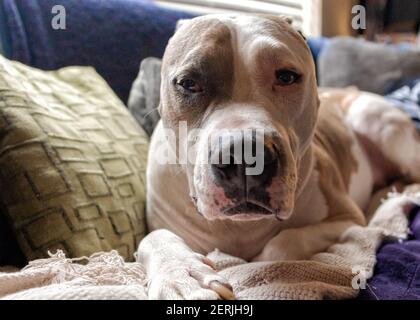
(145, 94)
(370, 66)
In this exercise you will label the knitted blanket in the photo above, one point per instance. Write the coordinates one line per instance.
(338, 273)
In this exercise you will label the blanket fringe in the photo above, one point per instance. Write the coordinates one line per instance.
(102, 268)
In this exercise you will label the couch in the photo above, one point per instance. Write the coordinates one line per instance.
(114, 36)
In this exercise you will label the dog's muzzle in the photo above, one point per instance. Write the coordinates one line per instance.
(232, 171)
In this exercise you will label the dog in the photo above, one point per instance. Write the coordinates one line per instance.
(324, 152)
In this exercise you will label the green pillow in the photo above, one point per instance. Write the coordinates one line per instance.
(72, 163)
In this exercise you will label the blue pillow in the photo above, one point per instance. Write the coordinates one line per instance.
(113, 36)
(4, 39)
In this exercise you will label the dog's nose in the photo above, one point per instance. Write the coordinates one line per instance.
(232, 161)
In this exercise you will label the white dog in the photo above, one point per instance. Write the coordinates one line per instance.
(323, 154)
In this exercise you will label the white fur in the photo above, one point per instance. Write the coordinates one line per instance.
(390, 129)
(309, 230)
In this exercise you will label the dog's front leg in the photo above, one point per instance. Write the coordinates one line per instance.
(302, 243)
(174, 271)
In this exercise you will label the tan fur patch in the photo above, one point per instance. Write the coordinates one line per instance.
(334, 137)
(340, 205)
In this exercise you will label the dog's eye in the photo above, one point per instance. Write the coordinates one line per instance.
(286, 77)
(190, 85)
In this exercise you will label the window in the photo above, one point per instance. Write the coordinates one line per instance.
(306, 14)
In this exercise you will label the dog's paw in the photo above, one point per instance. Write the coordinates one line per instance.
(192, 279)
(174, 271)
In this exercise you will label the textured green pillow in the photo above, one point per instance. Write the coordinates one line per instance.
(72, 163)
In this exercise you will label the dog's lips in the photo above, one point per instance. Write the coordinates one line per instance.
(283, 214)
(248, 207)
(243, 210)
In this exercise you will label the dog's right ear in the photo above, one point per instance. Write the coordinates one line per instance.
(180, 23)
(289, 20)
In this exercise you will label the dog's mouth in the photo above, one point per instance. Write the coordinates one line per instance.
(245, 210)
(248, 207)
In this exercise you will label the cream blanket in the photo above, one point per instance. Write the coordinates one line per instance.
(337, 273)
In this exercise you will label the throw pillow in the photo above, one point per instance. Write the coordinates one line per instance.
(72, 163)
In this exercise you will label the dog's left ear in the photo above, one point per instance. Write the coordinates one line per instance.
(302, 35)
(289, 20)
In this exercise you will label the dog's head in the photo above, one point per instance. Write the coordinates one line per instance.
(248, 83)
